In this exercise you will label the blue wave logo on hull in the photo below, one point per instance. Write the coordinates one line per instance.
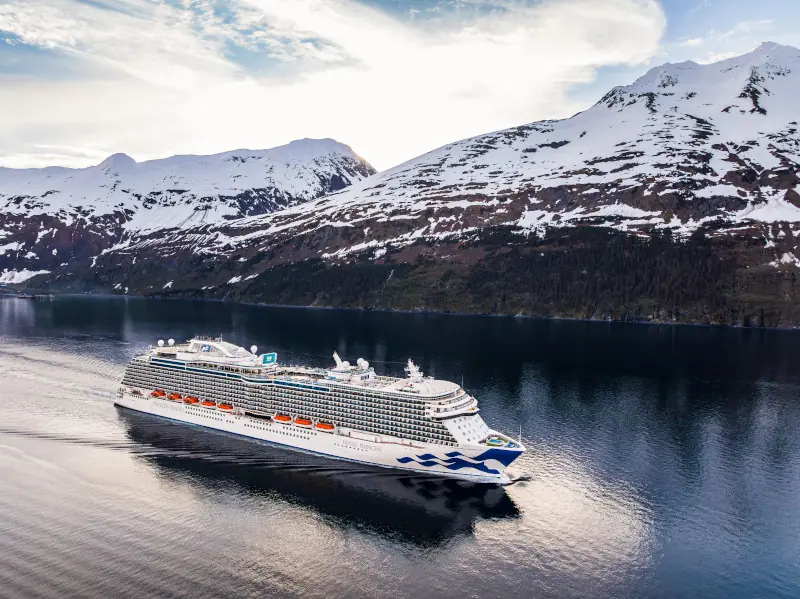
(457, 460)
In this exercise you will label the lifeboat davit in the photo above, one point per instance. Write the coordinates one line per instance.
(158, 393)
(208, 404)
(225, 407)
(302, 422)
(191, 399)
(282, 418)
(324, 426)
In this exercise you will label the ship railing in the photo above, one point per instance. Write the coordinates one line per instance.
(455, 399)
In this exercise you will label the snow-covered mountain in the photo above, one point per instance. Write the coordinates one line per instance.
(78, 213)
(183, 191)
(687, 149)
(685, 145)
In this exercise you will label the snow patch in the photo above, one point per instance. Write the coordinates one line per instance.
(13, 247)
(20, 276)
(786, 258)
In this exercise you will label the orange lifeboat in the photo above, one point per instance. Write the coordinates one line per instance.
(324, 426)
(302, 422)
(208, 404)
(191, 399)
(282, 418)
(225, 406)
(174, 396)
(158, 393)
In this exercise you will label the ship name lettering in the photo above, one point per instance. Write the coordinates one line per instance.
(359, 446)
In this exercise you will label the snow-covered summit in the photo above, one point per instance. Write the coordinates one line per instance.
(763, 82)
(769, 57)
(117, 162)
(683, 145)
(52, 218)
(185, 190)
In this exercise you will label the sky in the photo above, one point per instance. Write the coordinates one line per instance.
(83, 79)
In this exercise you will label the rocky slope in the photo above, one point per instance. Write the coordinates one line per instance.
(674, 198)
(54, 217)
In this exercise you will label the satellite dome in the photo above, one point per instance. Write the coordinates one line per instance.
(253, 349)
(171, 342)
(160, 343)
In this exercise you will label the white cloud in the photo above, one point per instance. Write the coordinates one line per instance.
(390, 87)
(745, 27)
(692, 43)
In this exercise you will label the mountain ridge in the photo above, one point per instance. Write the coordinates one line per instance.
(699, 162)
(80, 213)
(662, 156)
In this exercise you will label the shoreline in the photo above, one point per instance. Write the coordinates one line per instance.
(419, 312)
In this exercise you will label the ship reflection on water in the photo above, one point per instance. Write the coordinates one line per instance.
(408, 508)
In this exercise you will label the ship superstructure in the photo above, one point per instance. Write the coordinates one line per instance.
(346, 411)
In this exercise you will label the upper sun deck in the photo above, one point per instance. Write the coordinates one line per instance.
(211, 350)
(218, 354)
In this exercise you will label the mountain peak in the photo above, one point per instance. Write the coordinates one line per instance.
(181, 191)
(766, 53)
(774, 46)
(118, 160)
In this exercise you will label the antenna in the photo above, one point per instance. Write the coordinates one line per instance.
(520, 433)
(413, 372)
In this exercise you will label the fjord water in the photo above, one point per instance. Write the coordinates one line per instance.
(663, 462)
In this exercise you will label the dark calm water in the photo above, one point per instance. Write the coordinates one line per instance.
(663, 462)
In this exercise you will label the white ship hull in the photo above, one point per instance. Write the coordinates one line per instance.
(477, 464)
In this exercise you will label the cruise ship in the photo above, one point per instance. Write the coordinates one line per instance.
(348, 412)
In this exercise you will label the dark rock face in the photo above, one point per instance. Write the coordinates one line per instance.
(578, 272)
